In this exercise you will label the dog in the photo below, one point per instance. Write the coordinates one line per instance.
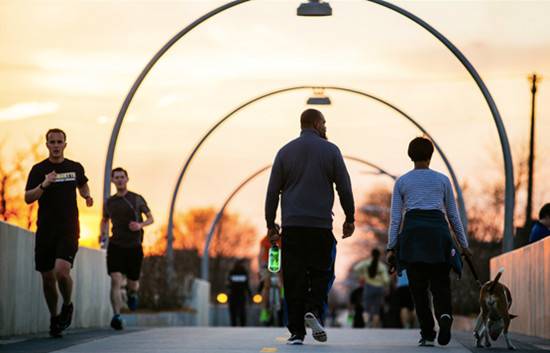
(495, 300)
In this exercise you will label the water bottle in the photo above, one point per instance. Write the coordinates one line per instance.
(274, 264)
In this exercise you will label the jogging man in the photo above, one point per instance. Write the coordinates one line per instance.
(303, 175)
(125, 209)
(53, 182)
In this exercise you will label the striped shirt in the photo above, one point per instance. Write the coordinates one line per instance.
(424, 189)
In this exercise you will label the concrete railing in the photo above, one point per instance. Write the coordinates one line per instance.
(23, 308)
(200, 301)
(527, 274)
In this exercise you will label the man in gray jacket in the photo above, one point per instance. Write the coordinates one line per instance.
(304, 174)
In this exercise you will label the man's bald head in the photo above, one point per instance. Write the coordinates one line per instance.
(314, 119)
(310, 117)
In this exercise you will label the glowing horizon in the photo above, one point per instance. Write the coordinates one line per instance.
(74, 66)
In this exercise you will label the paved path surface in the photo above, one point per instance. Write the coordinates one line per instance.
(244, 340)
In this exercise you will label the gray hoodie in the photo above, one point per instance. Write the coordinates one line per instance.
(303, 173)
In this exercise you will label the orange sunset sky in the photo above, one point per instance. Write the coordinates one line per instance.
(69, 64)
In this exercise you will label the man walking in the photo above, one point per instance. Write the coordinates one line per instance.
(53, 182)
(125, 209)
(303, 174)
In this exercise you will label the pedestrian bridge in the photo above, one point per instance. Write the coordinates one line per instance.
(250, 340)
(23, 313)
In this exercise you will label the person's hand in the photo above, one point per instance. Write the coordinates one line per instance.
(89, 201)
(273, 234)
(102, 239)
(49, 179)
(389, 255)
(134, 226)
(347, 229)
(467, 252)
(391, 260)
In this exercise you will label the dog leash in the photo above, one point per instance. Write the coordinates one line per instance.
(472, 269)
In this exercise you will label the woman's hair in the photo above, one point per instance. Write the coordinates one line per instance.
(420, 149)
(373, 267)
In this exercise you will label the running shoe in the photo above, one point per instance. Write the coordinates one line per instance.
(117, 323)
(66, 316)
(55, 330)
(425, 343)
(133, 301)
(445, 323)
(295, 340)
(319, 333)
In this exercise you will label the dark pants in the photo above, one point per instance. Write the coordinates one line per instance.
(237, 313)
(308, 272)
(425, 277)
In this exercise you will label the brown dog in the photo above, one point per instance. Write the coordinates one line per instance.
(495, 300)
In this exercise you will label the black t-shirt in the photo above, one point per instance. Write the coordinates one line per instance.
(57, 208)
(122, 210)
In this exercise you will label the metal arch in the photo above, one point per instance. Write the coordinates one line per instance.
(507, 156)
(508, 241)
(372, 165)
(137, 84)
(205, 258)
(458, 190)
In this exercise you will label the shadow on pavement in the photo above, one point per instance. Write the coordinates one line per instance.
(43, 343)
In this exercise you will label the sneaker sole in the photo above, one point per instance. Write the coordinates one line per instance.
(295, 343)
(319, 333)
(56, 335)
(117, 328)
(444, 336)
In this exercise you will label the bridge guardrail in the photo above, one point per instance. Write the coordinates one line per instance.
(527, 274)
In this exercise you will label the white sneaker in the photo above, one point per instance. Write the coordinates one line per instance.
(295, 340)
(319, 333)
(425, 343)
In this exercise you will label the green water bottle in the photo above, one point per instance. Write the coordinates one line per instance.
(274, 264)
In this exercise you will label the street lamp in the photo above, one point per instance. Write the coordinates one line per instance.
(319, 98)
(314, 8)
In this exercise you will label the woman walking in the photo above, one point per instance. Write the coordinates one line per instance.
(374, 274)
(420, 240)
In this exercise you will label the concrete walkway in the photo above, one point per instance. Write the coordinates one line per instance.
(243, 340)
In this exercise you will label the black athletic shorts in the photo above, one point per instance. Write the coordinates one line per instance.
(125, 260)
(50, 246)
(405, 298)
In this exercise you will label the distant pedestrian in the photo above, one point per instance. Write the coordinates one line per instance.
(53, 182)
(420, 239)
(374, 273)
(239, 293)
(303, 177)
(356, 308)
(406, 305)
(541, 228)
(125, 210)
